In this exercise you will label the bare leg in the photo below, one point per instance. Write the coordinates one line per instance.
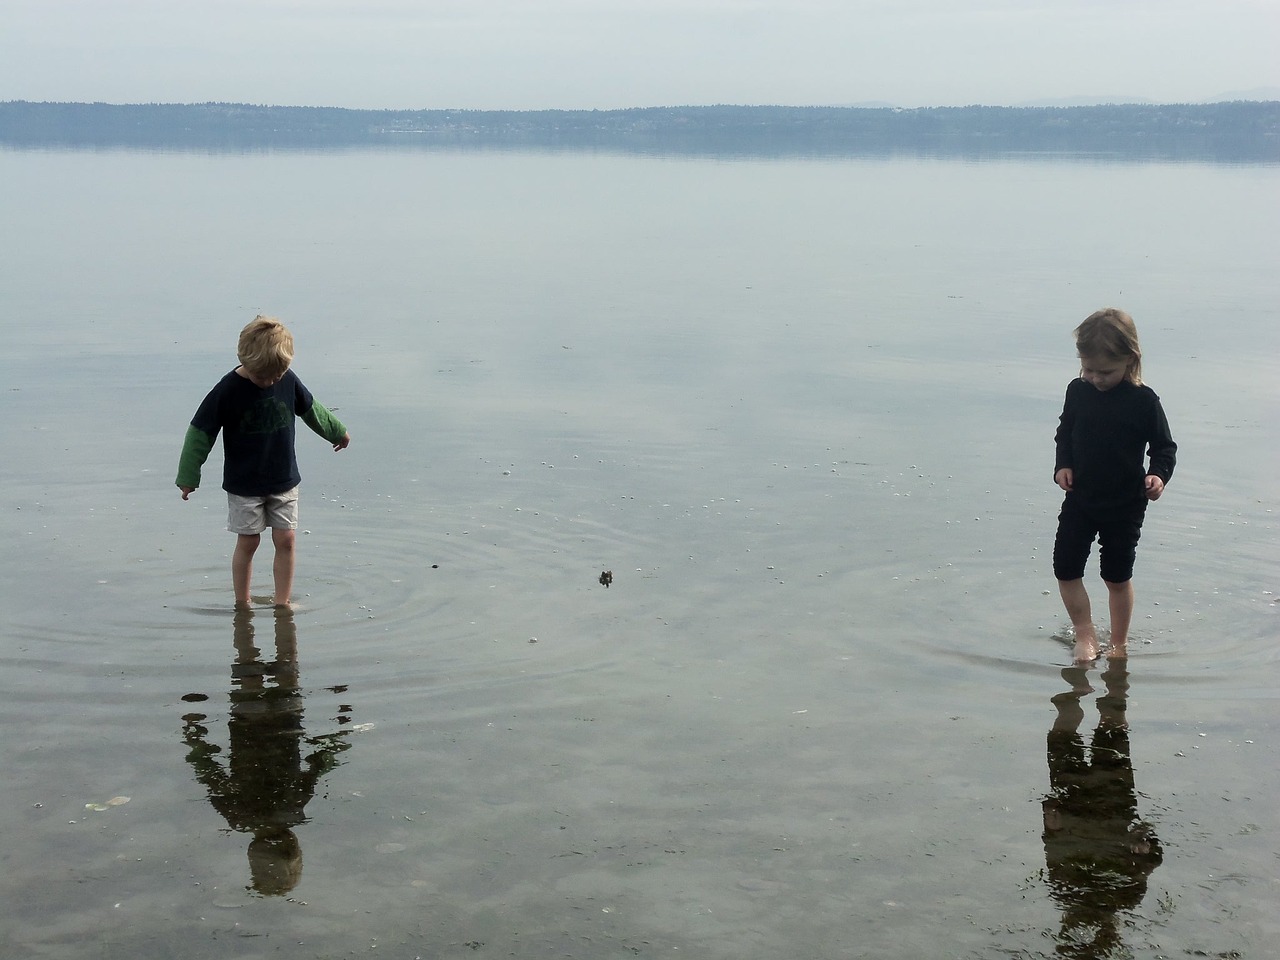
(242, 566)
(1120, 601)
(1076, 599)
(284, 541)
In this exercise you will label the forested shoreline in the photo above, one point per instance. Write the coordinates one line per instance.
(1238, 131)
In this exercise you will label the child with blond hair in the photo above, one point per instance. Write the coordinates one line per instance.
(254, 407)
(1114, 454)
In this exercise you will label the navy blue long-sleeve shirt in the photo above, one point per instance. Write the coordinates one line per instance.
(257, 426)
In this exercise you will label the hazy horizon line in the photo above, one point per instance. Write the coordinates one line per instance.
(1260, 95)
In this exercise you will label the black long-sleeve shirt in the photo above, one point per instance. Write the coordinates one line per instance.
(1107, 438)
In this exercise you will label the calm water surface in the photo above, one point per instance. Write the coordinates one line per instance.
(803, 411)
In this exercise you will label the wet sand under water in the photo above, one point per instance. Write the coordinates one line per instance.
(824, 708)
(754, 751)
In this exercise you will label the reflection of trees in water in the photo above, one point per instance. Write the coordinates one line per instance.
(1098, 852)
(272, 767)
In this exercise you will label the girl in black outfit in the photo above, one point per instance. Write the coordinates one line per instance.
(1114, 454)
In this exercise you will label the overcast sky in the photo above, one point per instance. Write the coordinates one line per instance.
(574, 54)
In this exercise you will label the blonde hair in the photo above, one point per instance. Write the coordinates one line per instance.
(266, 347)
(1111, 334)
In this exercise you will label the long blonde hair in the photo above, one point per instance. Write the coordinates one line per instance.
(1111, 334)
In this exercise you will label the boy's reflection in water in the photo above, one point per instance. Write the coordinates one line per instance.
(1098, 853)
(266, 781)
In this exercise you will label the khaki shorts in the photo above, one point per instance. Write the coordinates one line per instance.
(250, 515)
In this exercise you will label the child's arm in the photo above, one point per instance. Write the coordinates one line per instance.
(327, 425)
(1063, 470)
(195, 451)
(1162, 454)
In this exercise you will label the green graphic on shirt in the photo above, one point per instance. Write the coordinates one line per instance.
(268, 415)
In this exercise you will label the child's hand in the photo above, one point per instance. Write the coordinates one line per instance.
(1065, 478)
(187, 491)
(1155, 487)
(342, 444)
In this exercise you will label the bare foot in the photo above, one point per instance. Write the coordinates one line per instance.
(1118, 651)
(1086, 648)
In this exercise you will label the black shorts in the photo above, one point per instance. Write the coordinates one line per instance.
(1117, 533)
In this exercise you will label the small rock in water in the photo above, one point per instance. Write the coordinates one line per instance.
(606, 577)
(113, 802)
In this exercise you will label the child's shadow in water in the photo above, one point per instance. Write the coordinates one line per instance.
(1097, 851)
(266, 782)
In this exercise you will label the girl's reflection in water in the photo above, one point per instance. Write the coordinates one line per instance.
(266, 782)
(1099, 854)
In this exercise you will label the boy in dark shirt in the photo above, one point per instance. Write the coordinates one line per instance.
(254, 407)
(1109, 421)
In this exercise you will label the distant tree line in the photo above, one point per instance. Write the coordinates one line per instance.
(1241, 131)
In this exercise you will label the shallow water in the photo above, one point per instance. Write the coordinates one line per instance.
(803, 411)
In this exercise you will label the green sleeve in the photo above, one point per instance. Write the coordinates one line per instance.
(324, 423)
(195, 451)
